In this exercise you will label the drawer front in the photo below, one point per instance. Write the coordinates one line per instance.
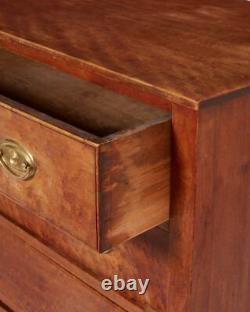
(34, 279)
(63, 189)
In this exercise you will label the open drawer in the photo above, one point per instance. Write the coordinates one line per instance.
(94, 163)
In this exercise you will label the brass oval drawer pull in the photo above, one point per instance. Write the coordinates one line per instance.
(16, 160)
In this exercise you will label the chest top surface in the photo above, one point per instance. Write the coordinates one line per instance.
(185, 51)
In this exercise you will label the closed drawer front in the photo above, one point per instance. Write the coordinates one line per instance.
(101, 161)
(34, 279)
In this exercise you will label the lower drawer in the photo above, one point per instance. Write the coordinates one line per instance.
(94, 163)
(31, 281)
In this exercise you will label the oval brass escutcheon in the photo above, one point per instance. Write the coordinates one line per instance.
(16, 160)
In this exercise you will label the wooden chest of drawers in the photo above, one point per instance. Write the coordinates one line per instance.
(125, 149)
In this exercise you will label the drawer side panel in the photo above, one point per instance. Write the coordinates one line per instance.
(134, 184)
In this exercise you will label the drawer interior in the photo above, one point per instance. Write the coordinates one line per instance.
(79, 103)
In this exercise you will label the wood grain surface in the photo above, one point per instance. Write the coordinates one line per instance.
(143, 257)
(201, 263)
(102, 193)
(174, 52)
(30, 281)
(63, 190)
(77, 102)
(181, 224)
(180, 51)
(221, 281)
(134, 184)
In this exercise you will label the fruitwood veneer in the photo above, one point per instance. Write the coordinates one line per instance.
(28, 273)
(162, 51)
(190, 58)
